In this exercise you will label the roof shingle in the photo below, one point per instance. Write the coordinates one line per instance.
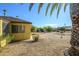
(13, 19)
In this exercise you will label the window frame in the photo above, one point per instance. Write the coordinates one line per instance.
(19, 29)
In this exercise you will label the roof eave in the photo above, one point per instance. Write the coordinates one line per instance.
(20, 22)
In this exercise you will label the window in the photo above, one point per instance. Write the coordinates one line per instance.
(5, 27)
(21, 28)
(14, 29)
(18, 29)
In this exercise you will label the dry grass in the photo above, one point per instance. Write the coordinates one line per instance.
(49, 44)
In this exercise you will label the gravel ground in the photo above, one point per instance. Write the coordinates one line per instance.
(49, 44)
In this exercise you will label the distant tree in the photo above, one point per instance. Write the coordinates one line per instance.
(45, 29)
(49, 29)
(34, 29)
(40, 29)
(62, 29)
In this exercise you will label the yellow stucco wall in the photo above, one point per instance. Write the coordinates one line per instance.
(0, 27)
(25, 35)
(2, 41)
(17, 36)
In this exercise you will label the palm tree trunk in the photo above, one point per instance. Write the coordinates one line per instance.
(74, 49)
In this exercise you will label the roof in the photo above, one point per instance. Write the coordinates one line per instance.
(14, 19)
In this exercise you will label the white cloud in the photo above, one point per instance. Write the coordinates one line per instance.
(52, 25)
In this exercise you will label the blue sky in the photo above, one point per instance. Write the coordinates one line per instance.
(33, 16)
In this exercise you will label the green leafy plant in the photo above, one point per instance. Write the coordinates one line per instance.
(8, 38)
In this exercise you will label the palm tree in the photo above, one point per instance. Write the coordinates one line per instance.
(74, 11)
(17, 16)
(4, 12)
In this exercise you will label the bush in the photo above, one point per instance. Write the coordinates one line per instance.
(5, 40)
(9, 38)
(34, 29)
(42, 29)
(48, 29)
(62, 29)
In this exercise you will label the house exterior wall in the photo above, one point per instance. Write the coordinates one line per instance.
(17, 36)
(2, 40)
(21, 36)
(5, 27)
(0, 27)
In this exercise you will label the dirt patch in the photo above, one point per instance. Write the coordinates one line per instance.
(49, 44)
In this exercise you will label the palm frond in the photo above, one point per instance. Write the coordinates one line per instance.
(47, 9)
(40, 6)
(65, 5)
(31, 5)
(59, 7)
(53, 8)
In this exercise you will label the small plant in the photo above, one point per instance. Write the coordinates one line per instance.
(6, 39)
(9, 38)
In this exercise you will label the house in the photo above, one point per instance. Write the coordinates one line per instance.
(19, 28)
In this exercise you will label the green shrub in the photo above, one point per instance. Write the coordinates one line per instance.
(9, 38)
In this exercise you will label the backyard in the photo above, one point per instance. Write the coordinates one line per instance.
(49, 44)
